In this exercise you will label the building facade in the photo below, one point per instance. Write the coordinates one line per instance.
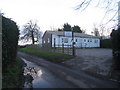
(58, 38)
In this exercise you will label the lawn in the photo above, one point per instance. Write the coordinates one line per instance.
(51, 56)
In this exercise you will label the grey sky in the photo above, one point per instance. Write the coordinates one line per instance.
(51, 14)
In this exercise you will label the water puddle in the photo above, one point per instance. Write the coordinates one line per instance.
(33, 76)
(39, 77)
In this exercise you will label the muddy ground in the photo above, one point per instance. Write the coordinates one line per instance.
(97, 61)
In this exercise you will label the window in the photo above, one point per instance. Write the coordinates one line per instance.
(96, 41)
(76, 40)
(84, 40)
(48, 40)
(88, 40)
(65, 40)
(62, 40)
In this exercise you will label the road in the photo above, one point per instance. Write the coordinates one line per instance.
(43, 78)
(58, 76)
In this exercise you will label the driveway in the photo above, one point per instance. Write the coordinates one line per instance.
(97, 61)
(42, 77)
(78, 79)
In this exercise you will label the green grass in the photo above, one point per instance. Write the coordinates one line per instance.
(51, 56)
(13, 75)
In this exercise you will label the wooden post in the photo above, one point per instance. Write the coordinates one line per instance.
(62, 47)
(73, 49)
(73, 43)
(68, 49)
(54, 44)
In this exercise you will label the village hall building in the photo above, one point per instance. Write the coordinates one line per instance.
(59, 38)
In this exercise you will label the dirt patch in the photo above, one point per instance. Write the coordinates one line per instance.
(98, 61)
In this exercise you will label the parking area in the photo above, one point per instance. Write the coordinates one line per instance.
(97, 60)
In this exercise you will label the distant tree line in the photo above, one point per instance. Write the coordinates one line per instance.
(68, 27)
(10, 35)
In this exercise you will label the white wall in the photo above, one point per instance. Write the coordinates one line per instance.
(87, 42)
(40, 42)
(81, 42)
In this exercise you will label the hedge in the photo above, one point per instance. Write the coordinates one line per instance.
(116, 39)
(105, 43)
(116, 47)
(10, 35)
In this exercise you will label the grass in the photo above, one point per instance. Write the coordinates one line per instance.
(51, 56)
(13, 75)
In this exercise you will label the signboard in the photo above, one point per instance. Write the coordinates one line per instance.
(68, 33)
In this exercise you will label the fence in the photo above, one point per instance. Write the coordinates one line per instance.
(66, 49)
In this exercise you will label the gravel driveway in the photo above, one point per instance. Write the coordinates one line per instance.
(97, 61)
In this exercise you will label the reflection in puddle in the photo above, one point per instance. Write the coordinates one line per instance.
(39, 77)
(31, 73)
(34, 72)
(39, 73)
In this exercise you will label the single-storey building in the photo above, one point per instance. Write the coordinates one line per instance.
(59, 38)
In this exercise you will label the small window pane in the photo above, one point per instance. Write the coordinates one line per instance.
(65, 40)
(96, 41)
(48, 40)
(76, 40)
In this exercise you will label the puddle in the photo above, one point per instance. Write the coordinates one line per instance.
(33, 73)
(40, 77)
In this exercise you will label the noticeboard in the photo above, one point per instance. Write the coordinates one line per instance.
(68, 33)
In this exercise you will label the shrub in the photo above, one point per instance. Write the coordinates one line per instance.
(10, 35)
(105, 43)
(116, 39)
(116, 47)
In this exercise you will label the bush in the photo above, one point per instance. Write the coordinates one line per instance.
(10, 35)
(116, 40)
(105, 43)
(116, 47)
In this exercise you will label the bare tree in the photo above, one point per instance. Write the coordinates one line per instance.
(110, 7)
(96, 31)
(84, 31)
(102, 30)
(31, 31)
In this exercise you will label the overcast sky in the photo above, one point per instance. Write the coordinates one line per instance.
(51, 13)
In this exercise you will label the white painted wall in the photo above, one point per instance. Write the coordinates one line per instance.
(40, 42)
(81, 42)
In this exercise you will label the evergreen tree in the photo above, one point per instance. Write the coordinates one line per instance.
(67, 27)
(77, 29)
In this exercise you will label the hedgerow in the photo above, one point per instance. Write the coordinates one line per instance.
(10, 35)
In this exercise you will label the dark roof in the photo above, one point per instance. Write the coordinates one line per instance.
(61, 33)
